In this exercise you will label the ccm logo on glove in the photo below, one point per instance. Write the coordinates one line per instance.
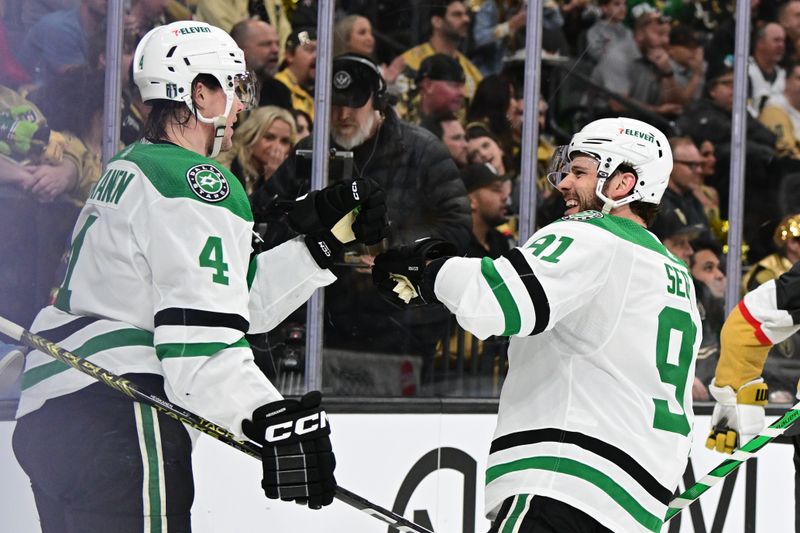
(354, 188)
(302, 426)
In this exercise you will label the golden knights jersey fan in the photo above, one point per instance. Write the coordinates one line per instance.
(595, 417)
(160, 288)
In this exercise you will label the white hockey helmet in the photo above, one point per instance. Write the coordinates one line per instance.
(170, 57)
(616, 141)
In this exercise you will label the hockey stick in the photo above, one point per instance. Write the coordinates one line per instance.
(190, 419)
(729, 465)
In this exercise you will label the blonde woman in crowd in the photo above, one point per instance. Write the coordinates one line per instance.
(260, 145)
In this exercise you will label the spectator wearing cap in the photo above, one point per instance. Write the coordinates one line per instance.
(686, 58)
(449, 130)
(781, 115)
(489, 199)
(299, 69)
(450, 23)
(767, 78)
(641, 70)
(686, 177)
(440, 82)
(424, 197)
(259, 42)
(675, 232)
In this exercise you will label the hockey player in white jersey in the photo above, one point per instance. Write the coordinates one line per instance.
(160, 288)
(595, 418)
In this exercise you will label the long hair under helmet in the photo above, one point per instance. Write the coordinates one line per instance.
(170, 57)
(614, 142)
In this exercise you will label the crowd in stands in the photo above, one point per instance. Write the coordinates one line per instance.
(442, 135)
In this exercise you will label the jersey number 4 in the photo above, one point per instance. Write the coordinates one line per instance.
(211, 257)
(669, 320)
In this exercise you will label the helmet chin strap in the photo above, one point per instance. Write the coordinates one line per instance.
(219, 123)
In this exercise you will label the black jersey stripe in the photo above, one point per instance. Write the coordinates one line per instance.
(591, 444)
(176, 316)
(63, 331)
(535, 290)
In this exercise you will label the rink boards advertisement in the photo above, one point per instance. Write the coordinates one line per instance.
(430, 469)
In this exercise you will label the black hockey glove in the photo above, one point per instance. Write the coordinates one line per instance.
(339, 214)
(296, 450)
(406, 275)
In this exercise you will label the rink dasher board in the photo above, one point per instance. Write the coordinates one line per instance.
(377, 454)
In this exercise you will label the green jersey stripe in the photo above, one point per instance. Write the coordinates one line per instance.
(516, 513)
(62, 299)
(251, 271)
(152, 479)
(503, 295)
(106, 341)
(590, 474)
(198, 349)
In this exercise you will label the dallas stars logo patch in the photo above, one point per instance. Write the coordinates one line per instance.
(208, 183)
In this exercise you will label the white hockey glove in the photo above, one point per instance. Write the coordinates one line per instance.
(738, 415)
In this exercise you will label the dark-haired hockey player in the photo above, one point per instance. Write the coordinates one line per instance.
(160, 288)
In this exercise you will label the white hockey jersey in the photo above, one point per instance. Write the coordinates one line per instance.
(596, 410)
(159, 281)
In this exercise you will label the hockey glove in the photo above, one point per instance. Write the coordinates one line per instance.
(296, 450)
(405, 274)
(738, 415)
(339, 214)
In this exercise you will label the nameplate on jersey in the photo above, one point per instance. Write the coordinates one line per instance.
(208, 183)
(110, 187)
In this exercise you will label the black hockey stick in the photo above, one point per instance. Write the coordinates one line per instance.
(190, 419)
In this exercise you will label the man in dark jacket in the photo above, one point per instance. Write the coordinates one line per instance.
(425, 197)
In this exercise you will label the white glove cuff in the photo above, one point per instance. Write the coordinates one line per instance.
(724, 395)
